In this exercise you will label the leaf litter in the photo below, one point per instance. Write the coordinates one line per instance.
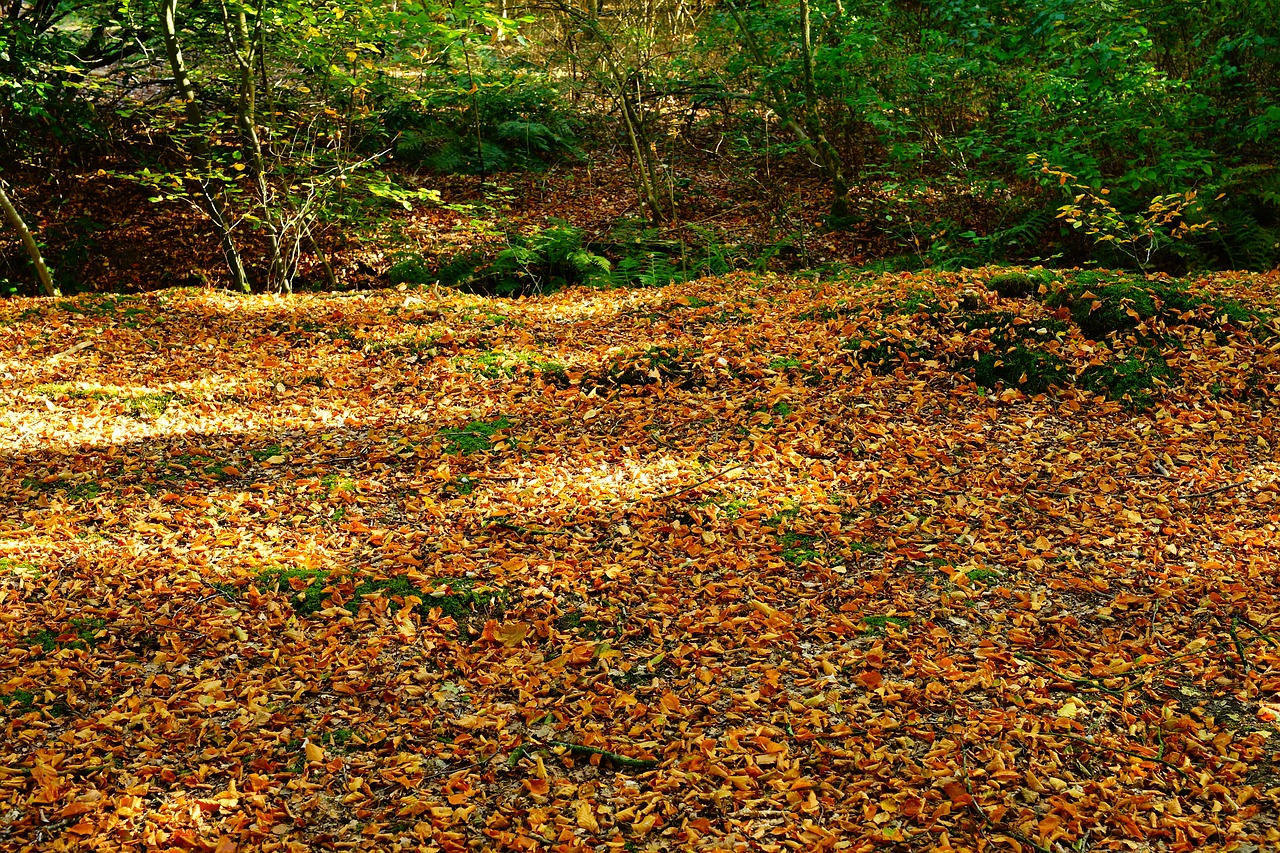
(752, 563)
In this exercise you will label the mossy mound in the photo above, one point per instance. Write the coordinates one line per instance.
(1017, 284)
(1104, 303)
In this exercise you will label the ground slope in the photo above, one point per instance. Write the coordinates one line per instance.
(956, 562)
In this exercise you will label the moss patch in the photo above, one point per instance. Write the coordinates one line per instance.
(474, 437)
(307, 588)
(152, 403)
(1131, 379)
(1016, 285)
(1103, 304)
(1030, 370)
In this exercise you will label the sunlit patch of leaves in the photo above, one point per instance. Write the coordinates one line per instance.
(336, 484)
(19, 568)
(408, 344)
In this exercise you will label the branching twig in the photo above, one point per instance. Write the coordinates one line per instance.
(991, 824)
(532, 531)
(1153, 758)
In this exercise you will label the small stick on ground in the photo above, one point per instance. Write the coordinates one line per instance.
(1228, 487)
(621, 760)
(693, 486)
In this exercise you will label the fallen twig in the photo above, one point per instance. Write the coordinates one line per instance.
(693, 486)
(74, 349)
(532, 531)
(616, 758)
(1153, 758)
(1217, 491)
(1073, 679)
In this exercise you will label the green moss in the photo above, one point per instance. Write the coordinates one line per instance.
(24, 699)
(982, 575)
(1103, 304)
(85, 490)
(499, 365)
(412, 344)
(337, 483)
(878, 624)
(1015, 285)
(262, 454)
(917, 301)
(785, 363)
(798, 548)
(474, 437)
(81, 634)
(44, 638)
(154, 403)
(456, 597)
(1130, 379)
(21, 568)
(1030, 370)
(306, 588)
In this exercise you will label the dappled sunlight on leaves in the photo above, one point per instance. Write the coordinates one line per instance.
(745, 563)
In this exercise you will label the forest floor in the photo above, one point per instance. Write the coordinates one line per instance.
(749, 563)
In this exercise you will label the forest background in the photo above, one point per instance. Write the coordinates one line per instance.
(513, 147)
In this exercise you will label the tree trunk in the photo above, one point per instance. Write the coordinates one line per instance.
(33, 251)
(279, 275)
(212, 203)
(808, 128)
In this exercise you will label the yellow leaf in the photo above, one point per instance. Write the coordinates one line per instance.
(314, 752)
(644, 825)
(586, 817)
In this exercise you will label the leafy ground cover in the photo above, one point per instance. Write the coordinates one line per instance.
(753, 563)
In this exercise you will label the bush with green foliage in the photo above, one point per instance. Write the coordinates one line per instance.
(498, 121)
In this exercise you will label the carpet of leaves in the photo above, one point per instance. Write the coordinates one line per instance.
(630, 570)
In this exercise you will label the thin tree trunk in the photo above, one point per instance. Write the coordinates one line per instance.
(213, 204)
(808, 133)
(33, 250)
(279, 275)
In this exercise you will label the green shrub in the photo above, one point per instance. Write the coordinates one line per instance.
(506, 121)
